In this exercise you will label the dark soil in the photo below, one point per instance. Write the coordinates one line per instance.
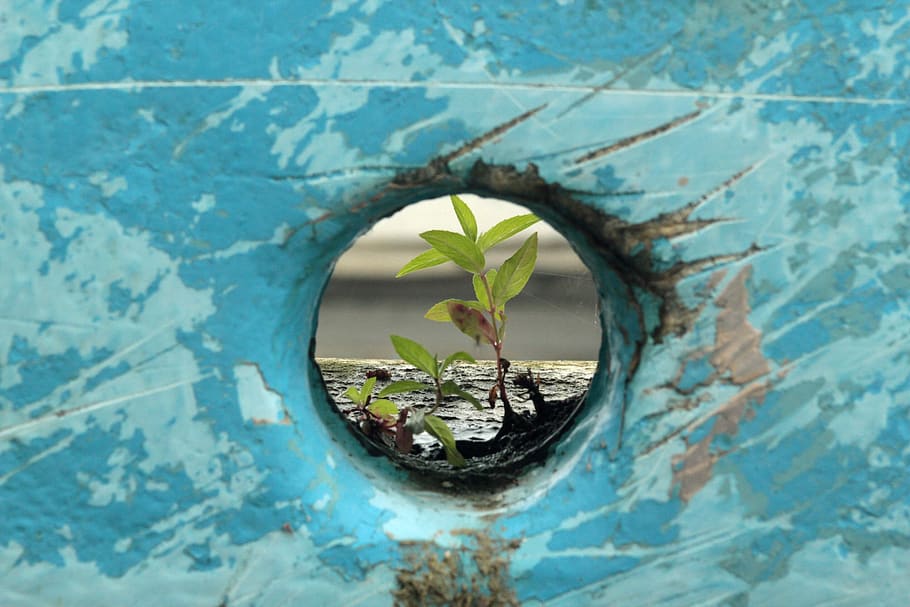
(545, 396)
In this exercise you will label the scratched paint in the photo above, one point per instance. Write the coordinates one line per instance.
(174, 186)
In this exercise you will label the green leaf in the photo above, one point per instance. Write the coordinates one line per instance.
(515, 272)
(438, 428)
(427, 259)
(465, 217)
(450, 388)
(440, 311)
(501, 330)
(399, 387)
(506, 229)
(457, 247)
(367, 389)
(471, 322)
(383, 407)
(412, 352)
(480, 290)
(353, 394)
(453, 357)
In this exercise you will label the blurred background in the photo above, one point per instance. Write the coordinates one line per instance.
(554, 318)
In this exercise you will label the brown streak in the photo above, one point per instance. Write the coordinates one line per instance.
(737, 356)
(632, 140)
(489, 135)
(737, 344)
(725, 185)
(694, 466)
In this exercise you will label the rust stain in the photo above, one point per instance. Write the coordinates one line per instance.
(259, 421)
(737, 344)
(692, 468)
(715, 279)
(737, 358)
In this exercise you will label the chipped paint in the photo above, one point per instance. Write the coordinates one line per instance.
(174, 188)
(258, 402)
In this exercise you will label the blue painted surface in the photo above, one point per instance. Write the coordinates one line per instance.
(174, 184)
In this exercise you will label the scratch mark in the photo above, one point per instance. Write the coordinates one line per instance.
(60, 446)
(608, 84)
(107, 362)
(490, 135)
(141, 85)
(342, 173)
(723, 187)
(632, 140)
(53, 324)
(89, 408)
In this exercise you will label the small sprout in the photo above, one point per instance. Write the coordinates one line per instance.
(412, 352)
(484, 319)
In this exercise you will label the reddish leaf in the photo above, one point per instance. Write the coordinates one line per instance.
(471, 322)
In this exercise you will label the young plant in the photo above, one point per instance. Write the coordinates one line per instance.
(412, 352)
(484, 318)
(381, 415)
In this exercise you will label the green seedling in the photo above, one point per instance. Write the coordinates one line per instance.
(484, 318)
(413, 353)
(382, 416)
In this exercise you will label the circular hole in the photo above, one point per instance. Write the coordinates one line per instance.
(550, 346)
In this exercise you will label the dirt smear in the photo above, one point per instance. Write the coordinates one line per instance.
(475, 574)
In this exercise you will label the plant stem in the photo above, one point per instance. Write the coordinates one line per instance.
(438, 395)
(497, 346)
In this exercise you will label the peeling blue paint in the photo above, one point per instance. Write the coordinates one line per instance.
(174, 187)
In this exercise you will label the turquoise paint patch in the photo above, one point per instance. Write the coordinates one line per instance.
(35, 516)
(549, 578)
(695, 372)
(802, 339)
(41, 375)
(589, 534)
(397, 108)
(830, 167)
(203, 559)
(21, 350)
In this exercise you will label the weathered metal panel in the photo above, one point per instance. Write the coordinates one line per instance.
(175, 181)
